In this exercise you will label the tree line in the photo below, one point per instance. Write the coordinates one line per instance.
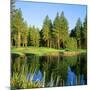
(53, 34)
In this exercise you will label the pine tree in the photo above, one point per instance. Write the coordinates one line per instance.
(13, 30)
(24, 34)
(73, 33)
(56, 31)
(63, 30)
(17, 24)
(46, 31)
(78, 32)
(84, 34)
(34, 36)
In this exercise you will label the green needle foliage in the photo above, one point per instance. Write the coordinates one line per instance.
(46, 31)
(53, 34)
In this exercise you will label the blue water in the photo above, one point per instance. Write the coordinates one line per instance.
(36, 77)
(72, 78)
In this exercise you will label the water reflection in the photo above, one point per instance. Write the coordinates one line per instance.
(50, 70)
(72, 78)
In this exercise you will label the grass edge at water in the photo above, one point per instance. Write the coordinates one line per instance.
(43, 51)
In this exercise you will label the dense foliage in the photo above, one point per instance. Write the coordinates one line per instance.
(53, 34)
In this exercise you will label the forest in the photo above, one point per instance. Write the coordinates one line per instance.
(53, 34)
(50, 56)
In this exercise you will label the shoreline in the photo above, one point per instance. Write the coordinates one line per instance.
(40, 51)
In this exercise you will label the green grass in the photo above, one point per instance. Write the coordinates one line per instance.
(76, 50)
(41, 50)
(33, 50)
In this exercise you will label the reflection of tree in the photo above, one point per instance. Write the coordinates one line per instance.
(80, 67)
(61, 70)
(83, 66)
(20, 68)
(53, 68)
(46, 70)
(56, 71)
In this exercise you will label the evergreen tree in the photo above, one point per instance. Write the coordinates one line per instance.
(37, 37)
(34, 37)
(12, 5)
(63, 30)
(78, 32)
(51, 35)
(24, 34)
(84, 34)
(73, 33)
(71, 43)
(13, 30)
(46, 30)
(17, 24)
(28, 37)
(56, 31)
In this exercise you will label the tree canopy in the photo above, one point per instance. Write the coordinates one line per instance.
(54, 34)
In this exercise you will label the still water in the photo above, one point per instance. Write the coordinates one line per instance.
(51, 71)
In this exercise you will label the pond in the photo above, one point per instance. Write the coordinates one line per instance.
(32, 71)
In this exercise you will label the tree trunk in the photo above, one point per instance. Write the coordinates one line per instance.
(58, 44)
(47, 43)
(25, 44)
(79, 44)
(18, 39)
(25, 41)
(50, 43)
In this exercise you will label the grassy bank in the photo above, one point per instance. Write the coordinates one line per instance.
(43, 51)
